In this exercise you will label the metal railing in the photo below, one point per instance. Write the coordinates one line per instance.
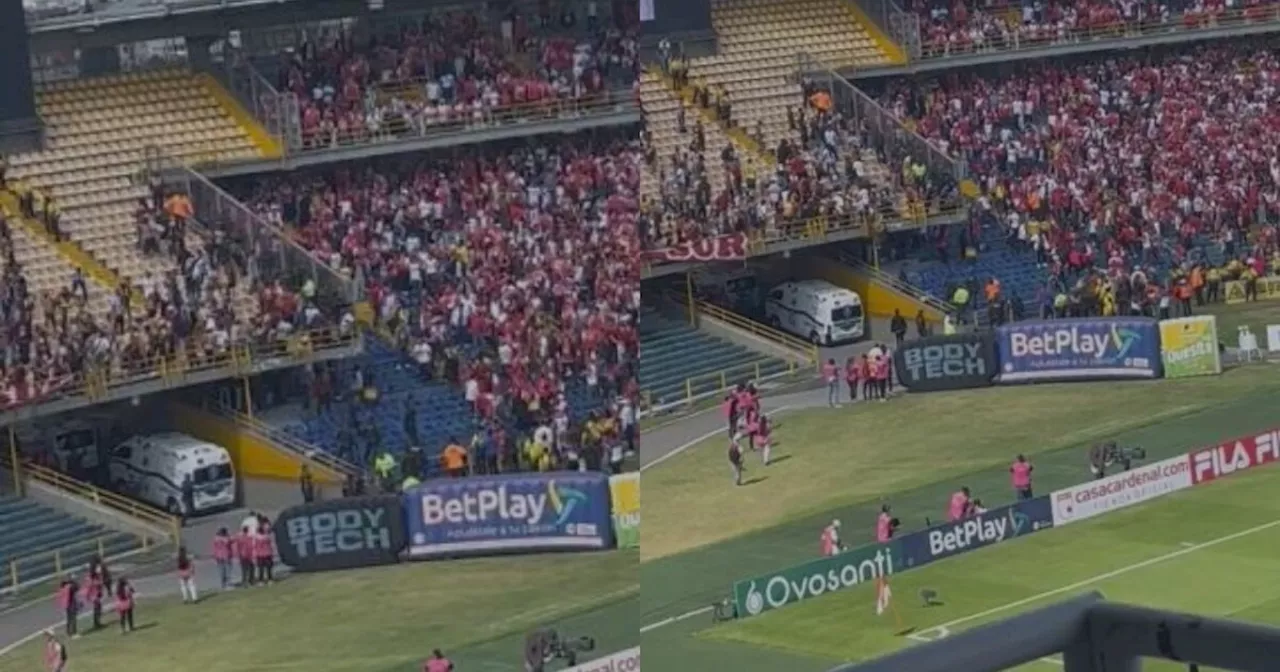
(101, 378)
(815, 230)
(273, 253)
(1181, 24)
(401, 129)
(284, 440)
(897, 284)
(28, 570)
(276, 111)
(798, 345)
(716, 383)
(891, 137)
(145, 513)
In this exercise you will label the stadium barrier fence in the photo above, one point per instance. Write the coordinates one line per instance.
(708, 385)
(28, 570)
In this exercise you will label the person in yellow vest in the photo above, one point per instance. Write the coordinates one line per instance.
(1213, 285)
(1250, 280)
(948, 324)
(1196, 280)
(1060, 305)
(409, 483)
(385, 466)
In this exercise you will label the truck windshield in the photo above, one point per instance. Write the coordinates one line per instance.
(846, 314)
(211, 474)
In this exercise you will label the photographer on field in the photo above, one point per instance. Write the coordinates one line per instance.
(1108, 453)
(544, 646)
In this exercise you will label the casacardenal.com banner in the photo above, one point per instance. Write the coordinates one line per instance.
(978, 531)
(1087, 348)
(825, 575)
(1138, 485)
(515, 512)
(624, 492)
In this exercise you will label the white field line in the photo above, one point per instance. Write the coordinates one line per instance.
(723, 431)
(941, 631)
(674, 619)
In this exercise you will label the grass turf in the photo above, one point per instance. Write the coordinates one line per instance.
(1257, 315)
(375, 620)
(702, 533)
(1168, 553)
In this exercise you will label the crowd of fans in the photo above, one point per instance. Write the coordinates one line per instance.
(460, 69)
(511, 272)
(960, 26)
(1120, 174)
(829, 169)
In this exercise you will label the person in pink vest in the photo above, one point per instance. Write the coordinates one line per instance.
(69, 602)
(735, 460)
(851, 377)
(831, 376)
(93, 594)
(730, 409)
(244, 550)
(829, 543)
(264, 555)
(763, 441)
(437, 663)
(186, 567)
(880, 372)
(885, 525)
(1020, 476)
(55, 653)
(124, 605)
(222, 556)
(959, 506)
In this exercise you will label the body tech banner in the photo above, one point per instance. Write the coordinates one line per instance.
(947, 362)
(341, 533)
(974, 532)
(825, 575)
(624, 493)
(1086, 348)
(1189, 346)
(514, 512)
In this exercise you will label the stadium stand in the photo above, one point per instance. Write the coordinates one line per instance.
(680, 362)
(31, 532)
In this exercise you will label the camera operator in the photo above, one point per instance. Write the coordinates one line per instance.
(1105, 454)
(543, 646)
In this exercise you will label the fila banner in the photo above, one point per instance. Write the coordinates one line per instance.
(1142, 484)
(1076, 349)
(1240, 454)
(979, 531)
(564, 510)
(825, 575)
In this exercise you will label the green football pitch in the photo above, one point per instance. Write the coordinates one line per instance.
(702, 533)
(385, 619)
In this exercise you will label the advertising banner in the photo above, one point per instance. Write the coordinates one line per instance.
(512, 512)
(949, 362)
(825, 575)
(1086, 348)
(1189, 346)
(341, 534)
(1239, 454)
(730, 247)
(1138, 485)
(974, 532)
(624, 494)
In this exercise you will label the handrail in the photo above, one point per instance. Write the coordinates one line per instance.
(768, 333)
(14, 578)
(522, 113)
(96, 382)
(120, 504)
(723, 380)
(304, 450)
(817, 229)
(915, 293)
(1116, 32)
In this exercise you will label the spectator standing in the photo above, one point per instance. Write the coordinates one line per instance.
(1020, 475)
(55, 653)
(264, 555)
(898, 325)
(307, 483)
(186, 576)
(244, 551)
(831, 376)
(124, 605)
(68, 601)
(222, 547)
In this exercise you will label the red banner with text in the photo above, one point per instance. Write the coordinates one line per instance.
(732, 247)
(1240, 454)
